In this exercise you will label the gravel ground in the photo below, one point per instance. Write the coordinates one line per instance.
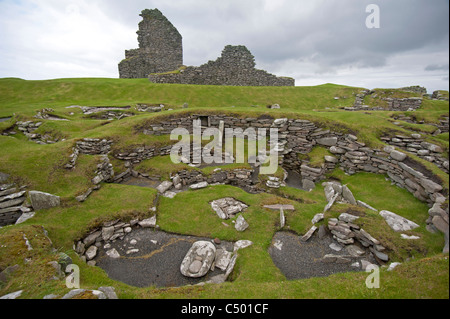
(158, 261)
(297, 259)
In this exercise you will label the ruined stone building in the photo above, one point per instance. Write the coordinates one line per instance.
(160, 47)
(160, 58)
(236, 66)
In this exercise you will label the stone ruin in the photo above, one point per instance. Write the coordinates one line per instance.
(160, 58)
(236, 66)
(160, 47)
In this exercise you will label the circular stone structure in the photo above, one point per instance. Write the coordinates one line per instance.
(151, 257)
(299, 260)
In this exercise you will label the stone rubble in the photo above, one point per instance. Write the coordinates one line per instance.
(346, 233)
(228, 207)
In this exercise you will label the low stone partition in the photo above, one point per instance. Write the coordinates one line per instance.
(94, 146)
(142, 153)
(88, 146)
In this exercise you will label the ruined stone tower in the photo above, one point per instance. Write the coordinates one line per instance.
(160, 47)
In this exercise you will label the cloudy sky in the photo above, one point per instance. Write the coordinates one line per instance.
(313, 41)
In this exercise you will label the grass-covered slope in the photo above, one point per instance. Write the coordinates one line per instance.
(41, 167)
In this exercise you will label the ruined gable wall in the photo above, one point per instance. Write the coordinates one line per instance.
(160, 47)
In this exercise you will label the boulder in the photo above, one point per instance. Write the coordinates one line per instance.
(13, 295)
(91, 252)
(91, 238)
(164, 186)
(398, 156)
(396, 222)
(113, 253)
(327, 141)
(107, 232)
(330, 203)
(432, 147)
(148, 223)
(109, 292)
(41, 200)
(440, 224)
(198, 259)
(199, 185)
(430, 186)
(308, 184)
(348, 195)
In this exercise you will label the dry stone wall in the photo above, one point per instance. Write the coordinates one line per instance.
(392, 104)
(160, 56)
(236, 67)
(415, 144)
(298, 136)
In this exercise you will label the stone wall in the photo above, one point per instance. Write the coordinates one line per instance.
(235, 67)
(440, 95)
(414, 89)
(298, 136)
(416, 145)
(160, 47)
(392, 104)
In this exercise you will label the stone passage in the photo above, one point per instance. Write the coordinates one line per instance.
(236, 66)
(160, 47)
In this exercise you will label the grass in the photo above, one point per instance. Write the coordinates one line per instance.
(41, 167)
(316, 157)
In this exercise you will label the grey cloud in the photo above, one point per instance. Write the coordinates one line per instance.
(437, 67)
